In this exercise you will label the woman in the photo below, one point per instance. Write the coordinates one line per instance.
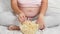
(29, 9)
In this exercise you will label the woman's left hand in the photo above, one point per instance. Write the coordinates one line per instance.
(40, 21)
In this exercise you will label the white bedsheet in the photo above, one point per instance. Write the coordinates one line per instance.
(53, 30)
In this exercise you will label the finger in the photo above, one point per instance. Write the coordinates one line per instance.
(42, 27)
(36, 21)
(20, 19)
(22, 16)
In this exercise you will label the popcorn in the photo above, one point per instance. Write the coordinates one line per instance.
(28, 27)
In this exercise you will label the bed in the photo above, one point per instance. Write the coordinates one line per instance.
(52, 17)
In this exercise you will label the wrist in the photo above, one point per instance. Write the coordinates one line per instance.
(41, 16)
(18, 13)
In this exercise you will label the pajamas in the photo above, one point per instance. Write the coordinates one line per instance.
(8, 18)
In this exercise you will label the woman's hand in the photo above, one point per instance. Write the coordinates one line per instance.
(22, 17)
(40, 21)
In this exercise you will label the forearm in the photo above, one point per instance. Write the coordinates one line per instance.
(43, 7)
(14, 6)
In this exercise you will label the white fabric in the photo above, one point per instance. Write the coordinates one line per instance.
(5, 6)
(7, 18)
(52, 21)
(53, 30)
(4, 30)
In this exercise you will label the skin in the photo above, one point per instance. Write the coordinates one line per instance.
(23, 16)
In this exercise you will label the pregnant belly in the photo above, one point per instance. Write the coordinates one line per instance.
(30, 11)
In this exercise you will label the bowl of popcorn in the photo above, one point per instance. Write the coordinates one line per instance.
(28, 27)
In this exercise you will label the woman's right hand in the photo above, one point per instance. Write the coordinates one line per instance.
(22, 17)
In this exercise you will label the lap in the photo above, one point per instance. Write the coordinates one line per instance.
(56, 30)
(4, 30)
